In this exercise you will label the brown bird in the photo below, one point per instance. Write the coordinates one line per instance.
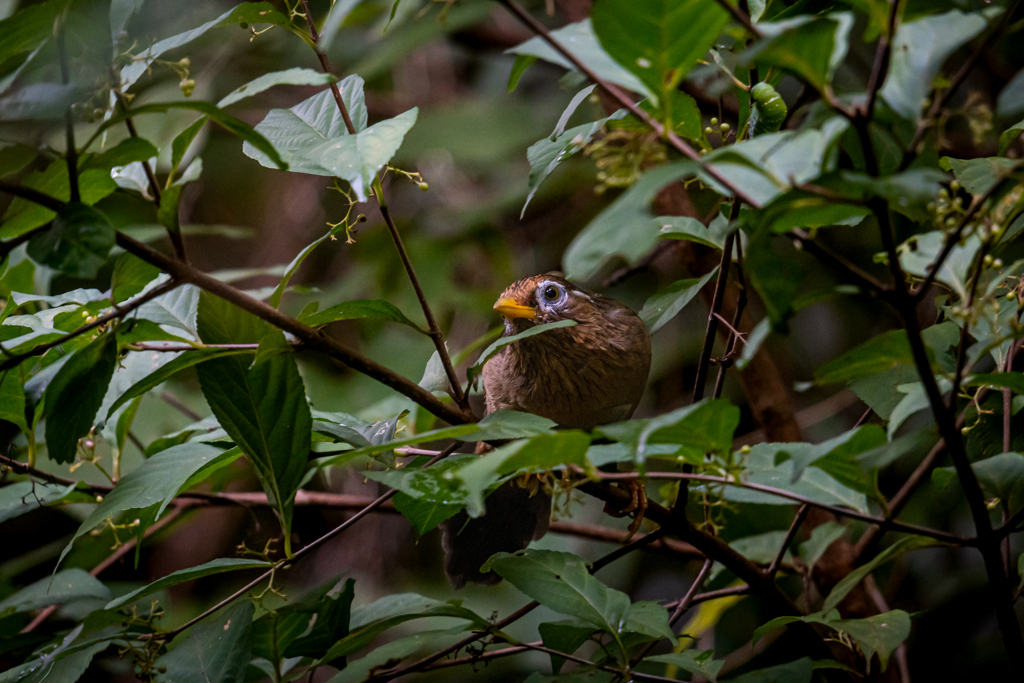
(582, 376)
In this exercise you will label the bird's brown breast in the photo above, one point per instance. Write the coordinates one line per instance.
(590, 374)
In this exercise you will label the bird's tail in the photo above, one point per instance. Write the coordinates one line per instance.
(515, 516)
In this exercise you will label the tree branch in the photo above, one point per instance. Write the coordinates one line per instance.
(118, 312)
(312, 338)
(801, 515)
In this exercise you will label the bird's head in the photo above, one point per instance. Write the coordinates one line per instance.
(543, 299)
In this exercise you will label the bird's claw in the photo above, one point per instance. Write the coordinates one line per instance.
(637, 506)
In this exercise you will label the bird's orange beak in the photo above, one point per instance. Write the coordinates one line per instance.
(510, 310)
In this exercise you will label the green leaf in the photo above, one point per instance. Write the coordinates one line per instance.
(624, 229)
(1008, 380)
(393, 653)
(121, 12)
(254, 140)
(131, 275)
(670, 300)
(811, 47)
(815, 484)
(579, 38)
(799, 671)
(822, 536)
(753, 342)
(691, 229)
(335, 18)
(424, 513)
(539, 454)
(1010, 102)
(650, 619)
(546, 155)
(881, 633)
(12, 399)
(777, 278)
(659, 41)
(248, 12)
(216, 650)
(153, 484)
(878, 354)
(168, 370)
(313, 138)
(919, 50)
(65, 662)
(75, 395)
(63, 587)
(561, 582)
(330, 622)
(978, 176)
(218, 566)
(360, 309)
(704, 427)
(77, 242)
(851, 580)
(39, 102)
(500, 343)
(1010, 136)
(839, 456)
(563, 636)
(1000, 475)
(694, 662)
(25, 30)
(121, 154)
(22, 216)
(25, 496)
(263, 408)
(294, 76)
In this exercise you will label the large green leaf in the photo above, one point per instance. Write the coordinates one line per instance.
(799, 671)
(294, 76)
(361, 309)
(561, 582)
(669, 301)
(216, 650)
(186, 360)
(625, 229)
(563, 636)
(580, 40)
(75, 395)
(218, 566)
(154, 483)
(979, 176)
(658, 40)
(699, 663)
(63, 587)
(878, 354)
(25, 496)
(814, 484)
(919, 50)
(312, 138)
(22, 216)
(692, 431)
(77, 243)
(262, 408)
(26, 29)
(811, 47)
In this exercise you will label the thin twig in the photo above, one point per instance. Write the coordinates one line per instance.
(680, 609)
(32, 195)
(880, 67)
(801, 515)
(852, 514)
(114, 557)
(117, 312)
(432, 327)
(741, 305)
(863, 279)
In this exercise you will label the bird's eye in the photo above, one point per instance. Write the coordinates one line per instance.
(551, 293)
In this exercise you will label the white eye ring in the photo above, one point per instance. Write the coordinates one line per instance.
(550, 293)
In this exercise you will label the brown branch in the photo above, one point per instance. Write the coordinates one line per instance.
(32, 195)
(742, 17)
(880, 67)
(118, 312)
(71, 153)
(862, 278)
(312, 338)
(680, 609)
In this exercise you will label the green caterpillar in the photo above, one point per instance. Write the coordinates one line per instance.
(769, 109)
